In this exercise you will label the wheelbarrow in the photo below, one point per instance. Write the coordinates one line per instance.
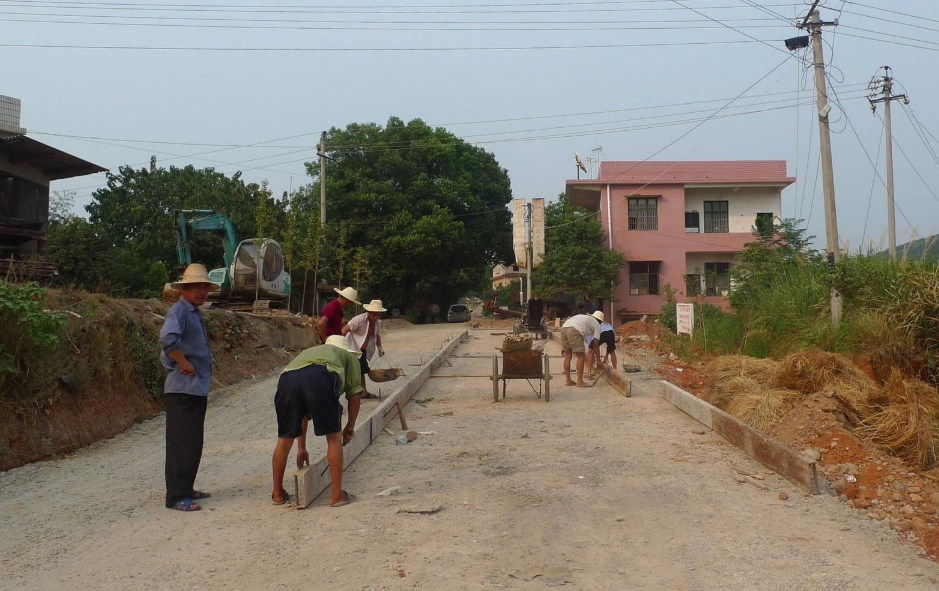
(531, 364)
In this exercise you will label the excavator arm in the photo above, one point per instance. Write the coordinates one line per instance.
(186, 220)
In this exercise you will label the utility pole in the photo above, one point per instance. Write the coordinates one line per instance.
(529, 248)
(885, 86)
(322, 153)
(814, 23)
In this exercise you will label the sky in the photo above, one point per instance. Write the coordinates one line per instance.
(660, 79)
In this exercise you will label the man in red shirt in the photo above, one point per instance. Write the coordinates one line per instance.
(330, 322)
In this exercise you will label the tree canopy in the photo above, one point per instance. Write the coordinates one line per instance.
(575, 261)
(415, 216)
(426, 210)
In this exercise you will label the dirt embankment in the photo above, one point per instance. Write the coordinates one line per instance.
(104, 374)
(834, 417)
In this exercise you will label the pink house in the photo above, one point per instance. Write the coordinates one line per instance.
(679, 223)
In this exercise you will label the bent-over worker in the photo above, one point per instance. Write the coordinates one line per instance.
(188, 362)
(309, 389)
(574, 335)
(364, 334)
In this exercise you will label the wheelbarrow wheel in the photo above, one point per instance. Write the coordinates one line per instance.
(495, 378)
(547, 380)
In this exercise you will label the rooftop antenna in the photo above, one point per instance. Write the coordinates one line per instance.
(580, 164)
(599, 151)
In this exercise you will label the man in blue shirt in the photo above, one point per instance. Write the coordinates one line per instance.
(188, 362)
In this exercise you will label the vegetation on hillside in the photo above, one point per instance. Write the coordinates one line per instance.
(415, 215)
(781, 303)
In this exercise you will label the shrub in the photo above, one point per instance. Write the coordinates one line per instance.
(30, 334)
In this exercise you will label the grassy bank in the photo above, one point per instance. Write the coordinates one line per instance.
(780, 304)
(77, 367)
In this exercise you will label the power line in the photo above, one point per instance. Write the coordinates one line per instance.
(377, 28)
(682, 136)
(368, 49)
(892, 42)
(921, 136)
(870, 196)
(915, 16)
(915, 170)
(867, 154)
(723, 24)
(863, 30)
(245, 9)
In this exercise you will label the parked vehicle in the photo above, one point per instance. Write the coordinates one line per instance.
(459, 313)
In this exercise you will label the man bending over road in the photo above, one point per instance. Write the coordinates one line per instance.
(574, 335)
(309, 388)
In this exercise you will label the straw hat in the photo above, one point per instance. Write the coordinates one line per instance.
(598, 315)
(374, 306)
(342, 343)
(196, 273)
(348, 293)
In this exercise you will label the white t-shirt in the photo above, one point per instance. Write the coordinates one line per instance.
(358, 330)
(585, 324)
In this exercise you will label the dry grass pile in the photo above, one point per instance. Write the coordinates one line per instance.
(720, 393)
(763, 407)
(732, 375)
(731, 366)
(811, 370)
(907, 427)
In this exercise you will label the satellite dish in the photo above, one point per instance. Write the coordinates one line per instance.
(580, 163)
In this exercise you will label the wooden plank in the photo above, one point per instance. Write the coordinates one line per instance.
(310, 481)
(771, 453)
(688, 403)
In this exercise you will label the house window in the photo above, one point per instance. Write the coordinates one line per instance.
(643, 213)
(692, 223)
(693, 285)
(715, 217)
(717, 279)
(764, 222)
(644, 278)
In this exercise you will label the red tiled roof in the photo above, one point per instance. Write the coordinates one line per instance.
(690, 172)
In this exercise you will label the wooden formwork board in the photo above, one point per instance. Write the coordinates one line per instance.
(312, 480)
(771, 453)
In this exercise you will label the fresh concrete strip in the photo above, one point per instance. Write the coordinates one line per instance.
(312, 480)
(774, 455)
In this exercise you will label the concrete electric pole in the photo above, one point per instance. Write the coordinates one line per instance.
(884, 87)
(531, 250)
(322, 153)
(814, 23)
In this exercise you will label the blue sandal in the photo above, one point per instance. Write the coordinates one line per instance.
(186, 506)
(198, 495)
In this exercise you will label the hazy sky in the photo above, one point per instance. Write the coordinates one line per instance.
(645, 55)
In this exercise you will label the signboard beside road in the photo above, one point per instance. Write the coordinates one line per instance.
(685, 318)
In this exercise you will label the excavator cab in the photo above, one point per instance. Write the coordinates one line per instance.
(249, 263)
(251, 273)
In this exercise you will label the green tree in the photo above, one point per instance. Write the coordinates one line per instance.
(576, 262)
(778, 246)
(133, 216)
(427, 208)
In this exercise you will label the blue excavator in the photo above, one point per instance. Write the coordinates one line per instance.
(253, 277)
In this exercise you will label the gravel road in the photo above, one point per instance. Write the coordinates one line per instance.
(618, 491)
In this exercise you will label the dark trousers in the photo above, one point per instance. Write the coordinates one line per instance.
(185, 426)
